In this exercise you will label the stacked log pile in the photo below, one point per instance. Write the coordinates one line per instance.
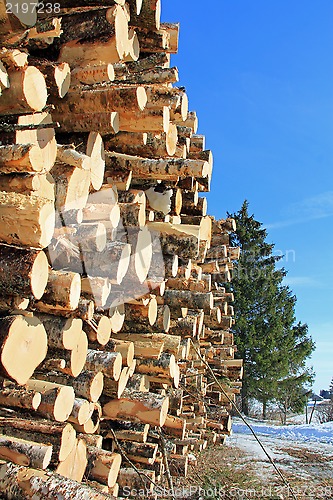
(112, 274)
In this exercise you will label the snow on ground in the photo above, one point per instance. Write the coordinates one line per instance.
(322, 433)
(303, 452)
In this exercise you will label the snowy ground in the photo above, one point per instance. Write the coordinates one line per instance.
(303, 453)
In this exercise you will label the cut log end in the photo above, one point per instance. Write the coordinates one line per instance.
(34, 88)
(24, 348)
(141, 97)
(62, 76)
(143, 254)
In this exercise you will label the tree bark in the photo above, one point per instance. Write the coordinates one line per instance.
(107, 98)
(19, 397)
(72, 186)
(111, 50)
(20, 158)
(103, 466)
(109, 363)
(21, 482)
(87, 385)
(24, 452)
(146, 407)
(61, 435)
(32, 217)
(23, 272)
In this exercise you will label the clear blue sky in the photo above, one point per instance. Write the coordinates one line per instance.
(259, 73)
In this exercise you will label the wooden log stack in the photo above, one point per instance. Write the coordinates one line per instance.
(112, 296)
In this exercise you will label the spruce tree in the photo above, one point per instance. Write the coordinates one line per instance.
(265, 330)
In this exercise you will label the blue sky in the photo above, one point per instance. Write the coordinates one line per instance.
(259, 74)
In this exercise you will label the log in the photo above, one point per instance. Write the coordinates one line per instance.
(129, 480)
(109, 363)
(197, 143)
(163, 367)
(148, 120)
(37, 37)
(112, 48)
(36, 129)
(153, 41)
(132, 214)
(173, 97)
(98, 329)
(74, 466)
(114, 389)
(117, 317)
(88, 24)
(61, 435)
(143, 453)
(127, 431)
(27, 92)
(164, 200)
(72, 186)
(146, 407)
(191, 284)
(74, 359)
(23, 346)
(90, 237)
(21, 482)
(92, 439)
(95, 288)
(103, 466)
(112, 263)
(4, 79)
(125, 348)
(100, 212)
(10, 303)
(174, 239)
(23, 272)
(73, 157)
(107, 98)
(151, 145)
(148, 16)
(13, 58)
(20, 158)
(171, 343)
(163, 169)
(81, 412)
(57, 76)
(24, 452)
(97, 73)
(62, 291)
(41, 185)
(87, 385)
(91, 426)
(198, 300)
(138, 382)
(140, 240)
(86, 145)
(103, 123)
(32, 217)
(154, 76)
(62, 333)
(57, 400)
(135, 313)
(19, 397)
